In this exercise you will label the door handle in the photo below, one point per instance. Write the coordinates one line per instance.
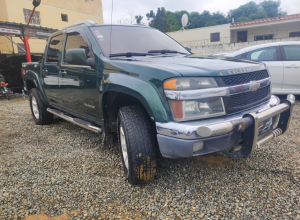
(62, 72)
(292, 66)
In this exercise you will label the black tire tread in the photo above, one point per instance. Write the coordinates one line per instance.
(141, 144)
(45, 117)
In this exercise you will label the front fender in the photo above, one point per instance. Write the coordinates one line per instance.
(155, 104)
(33, 75)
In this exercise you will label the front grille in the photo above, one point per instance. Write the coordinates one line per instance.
(250, 98)
(245, 77)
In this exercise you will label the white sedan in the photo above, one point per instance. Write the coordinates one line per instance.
(283, 61)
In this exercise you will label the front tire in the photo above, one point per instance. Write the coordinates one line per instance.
(137, 143)
(39, 109)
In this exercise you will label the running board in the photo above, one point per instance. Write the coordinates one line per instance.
(76, 121)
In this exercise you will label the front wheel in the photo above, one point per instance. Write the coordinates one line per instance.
(137, 145)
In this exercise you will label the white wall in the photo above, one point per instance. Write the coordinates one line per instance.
(227, 48)
(201, 36)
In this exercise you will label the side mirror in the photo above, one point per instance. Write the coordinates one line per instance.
(188, 49)
(78, 57)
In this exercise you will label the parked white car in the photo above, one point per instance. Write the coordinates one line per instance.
(283, 61)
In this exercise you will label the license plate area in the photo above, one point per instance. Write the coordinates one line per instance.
(265, 126)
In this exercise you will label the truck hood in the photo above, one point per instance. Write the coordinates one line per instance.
(191, 65)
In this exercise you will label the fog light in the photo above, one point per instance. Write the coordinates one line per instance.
(198, 146)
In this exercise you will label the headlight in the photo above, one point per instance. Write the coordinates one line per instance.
(192, 110)
(190, 83)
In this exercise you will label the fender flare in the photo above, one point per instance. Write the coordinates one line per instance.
(34, 77)
(150, 97)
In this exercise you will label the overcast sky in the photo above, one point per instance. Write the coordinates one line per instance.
(142, 7)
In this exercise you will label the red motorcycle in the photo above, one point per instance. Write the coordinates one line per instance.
(3, 88)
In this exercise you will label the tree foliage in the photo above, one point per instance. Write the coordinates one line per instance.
(171, 21)
(138, 19)
(253, 11)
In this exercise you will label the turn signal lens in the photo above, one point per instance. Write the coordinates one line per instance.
(190, 83)
(170, 84)
(177, 110)
(7, 84)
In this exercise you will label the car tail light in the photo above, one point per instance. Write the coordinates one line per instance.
(2, 83)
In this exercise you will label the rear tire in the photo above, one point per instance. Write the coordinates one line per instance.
(39, 109)
(137, 143)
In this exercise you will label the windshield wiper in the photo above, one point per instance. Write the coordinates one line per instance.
(128, 54)
(165, 51)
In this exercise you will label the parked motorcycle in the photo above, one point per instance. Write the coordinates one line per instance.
(3, 88)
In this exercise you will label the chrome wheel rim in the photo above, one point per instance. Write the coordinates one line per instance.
(35, 108)
(124, 147)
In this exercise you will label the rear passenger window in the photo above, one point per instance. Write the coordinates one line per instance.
(54, 49)
(292, 52)
(76, 41)
(263, 54)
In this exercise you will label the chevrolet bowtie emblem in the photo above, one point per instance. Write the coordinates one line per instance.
(254, 86)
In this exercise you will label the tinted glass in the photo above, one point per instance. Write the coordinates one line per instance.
(292, 52)
(263, 54)
(75, 41)
(239, 56)
(133, 39)
(54, 49)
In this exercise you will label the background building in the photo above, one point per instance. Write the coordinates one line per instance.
(54, 14)
(231, 37)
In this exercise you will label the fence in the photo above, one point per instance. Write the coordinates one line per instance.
(250, 37)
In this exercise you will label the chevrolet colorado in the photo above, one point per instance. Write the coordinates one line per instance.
(139, 86)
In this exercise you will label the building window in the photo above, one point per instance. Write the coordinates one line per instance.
(242, 36)
(35, 19)
(215, 37)
(263, 37)
(64, 17)
(295, 34)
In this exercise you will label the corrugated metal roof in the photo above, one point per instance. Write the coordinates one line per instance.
(24, 25)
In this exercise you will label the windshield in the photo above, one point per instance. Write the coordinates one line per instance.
(127, 39)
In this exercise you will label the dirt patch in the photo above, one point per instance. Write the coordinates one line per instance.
(66, 215)
(214, 160)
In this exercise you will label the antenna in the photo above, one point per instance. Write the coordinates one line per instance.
(112, 9)
(184, 21)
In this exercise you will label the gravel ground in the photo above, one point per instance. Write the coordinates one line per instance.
(62, 172)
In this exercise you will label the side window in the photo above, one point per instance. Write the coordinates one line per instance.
(54, 49)
(239, 56)
(263, 54)
(75, 41)
(292, 52)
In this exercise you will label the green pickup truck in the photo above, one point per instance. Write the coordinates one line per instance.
(137, 85)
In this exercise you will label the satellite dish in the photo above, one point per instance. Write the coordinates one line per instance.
(184, 20)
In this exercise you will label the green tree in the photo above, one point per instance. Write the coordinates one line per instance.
(271, 8)
(138, 19)
(252, 11)
(159, 20)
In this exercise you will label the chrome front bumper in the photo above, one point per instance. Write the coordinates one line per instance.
(246, 122)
